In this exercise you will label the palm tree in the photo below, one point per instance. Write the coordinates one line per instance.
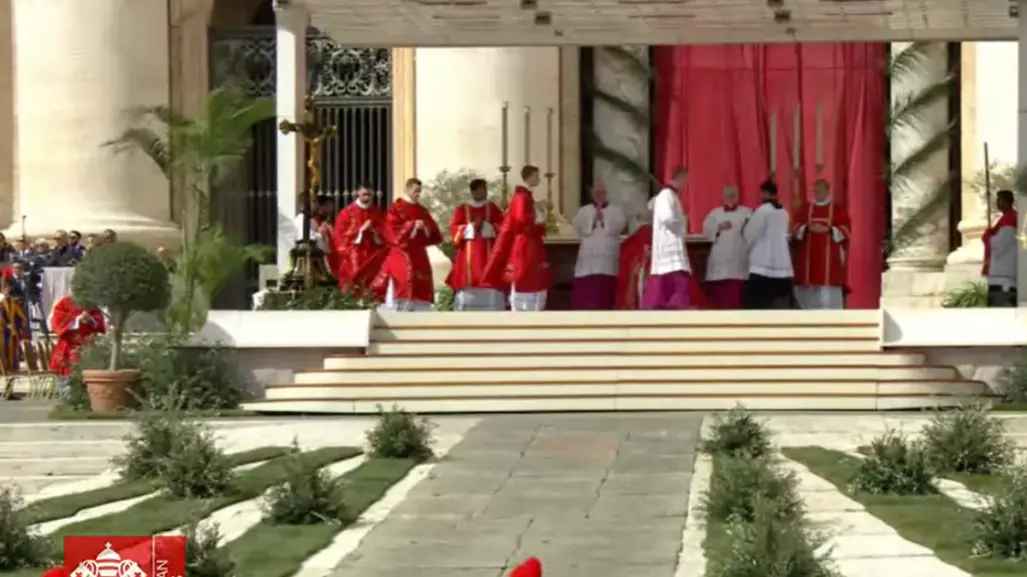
(200, 154)
(920, 195)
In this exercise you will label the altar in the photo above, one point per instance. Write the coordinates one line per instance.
(563, 254)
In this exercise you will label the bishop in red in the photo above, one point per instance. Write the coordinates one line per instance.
(821, 229)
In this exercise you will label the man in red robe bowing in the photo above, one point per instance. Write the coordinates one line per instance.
(519, 258)
(474, 228)
(821, 229)
(1000, 253)
(634, 263)
(359, 239)
(73, 326)
(405, 278)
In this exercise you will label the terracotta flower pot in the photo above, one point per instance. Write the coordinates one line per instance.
(108, 390)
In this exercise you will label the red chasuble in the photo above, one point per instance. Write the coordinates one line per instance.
(519, 257)
(72, 332)
(1008, 218)
(472, 255)
(634, 267)
(407, 262)
(819, 260)
(358, 263)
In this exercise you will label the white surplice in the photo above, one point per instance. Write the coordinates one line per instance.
(670, 226)
(729, 254)
(599, 252)
(767, 234)
(1002, 268)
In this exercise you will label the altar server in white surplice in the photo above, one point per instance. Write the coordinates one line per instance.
(728, 264)
(770, 259)
(670, 275)
(599, 226)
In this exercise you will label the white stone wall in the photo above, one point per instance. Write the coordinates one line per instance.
(618, 130)
(80, 69)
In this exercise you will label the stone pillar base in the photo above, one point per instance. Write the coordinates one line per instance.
(144, 231)
(912, 288)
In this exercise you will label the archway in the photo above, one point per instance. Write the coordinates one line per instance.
(353, 92)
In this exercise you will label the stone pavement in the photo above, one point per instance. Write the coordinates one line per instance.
(591, 495)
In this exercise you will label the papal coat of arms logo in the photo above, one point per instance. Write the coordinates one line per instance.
(108, 564)
(125, 556)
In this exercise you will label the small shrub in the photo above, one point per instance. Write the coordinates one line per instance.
(1001, 529)
(967, 440)
(771, 546)
(971, 295)
(20, 546)
(895, 465)
(736, 434)
(401, 435)
(203, 555)
(176, 378)
(308, 497)
(1014, 381)
(444, 299)
(195, 467)
(739, 483)
(315, 299)
(148, 446)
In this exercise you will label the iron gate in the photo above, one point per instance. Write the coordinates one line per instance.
(353, 91)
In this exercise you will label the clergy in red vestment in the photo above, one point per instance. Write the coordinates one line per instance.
(359, 240)
(405, 276)
(474, 228)
(73, 326)
(519, 257)
(633, 268)
(1000, 253)
(821, 229)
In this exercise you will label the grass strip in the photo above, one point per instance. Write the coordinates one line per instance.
(984, 484)
(934, 521)
(269, 550)
(68, 505)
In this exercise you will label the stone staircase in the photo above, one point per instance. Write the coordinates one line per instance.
(617, 360)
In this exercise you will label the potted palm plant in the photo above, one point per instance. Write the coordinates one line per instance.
(119, 278)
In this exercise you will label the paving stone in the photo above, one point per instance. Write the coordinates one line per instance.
(562, 568)
(516, 506)
(645, 484)
(829, 502)
(909, 567)
(347, 570)
(460, 483)
(443, 506)
(439, 530)
(875, 546)
(641, 464)
(571, 487)
(850, 523)
(423, 556)
(635, 508)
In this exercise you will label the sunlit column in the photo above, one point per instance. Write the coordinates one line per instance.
(291, 87)
(1021, 152)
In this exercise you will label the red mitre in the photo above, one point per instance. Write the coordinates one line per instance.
(531, 567)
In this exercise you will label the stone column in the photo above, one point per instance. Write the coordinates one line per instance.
(291, 22)
(1021, 139)
(460, 95)
(927, 248)
(620, 74)
(7, 132)
(80, 68)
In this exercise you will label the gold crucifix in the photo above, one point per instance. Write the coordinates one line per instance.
(314, 136)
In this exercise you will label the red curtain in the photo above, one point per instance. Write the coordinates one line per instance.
(713, 106)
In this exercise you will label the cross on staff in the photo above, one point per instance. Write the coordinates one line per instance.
(314, 136)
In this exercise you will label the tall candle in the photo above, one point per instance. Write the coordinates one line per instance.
(820, 135)
(506, 134)
(527, 135)
(772, 134)
(797, 139)
(549, 140)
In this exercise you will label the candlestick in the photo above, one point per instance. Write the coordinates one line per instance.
(549, 139)
(772, 135)
(797, 139)
(527, 135)
(505, 123)
(820, 136)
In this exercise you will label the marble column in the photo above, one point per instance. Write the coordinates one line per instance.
(1021, 139)
(989, 104)
(460, 95)
(928, 248)
(616, 130)
(291, 22)
(80, 68)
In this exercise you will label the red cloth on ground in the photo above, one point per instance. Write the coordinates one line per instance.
(530, 567)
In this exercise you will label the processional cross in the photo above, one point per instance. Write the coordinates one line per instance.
(314, 136)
